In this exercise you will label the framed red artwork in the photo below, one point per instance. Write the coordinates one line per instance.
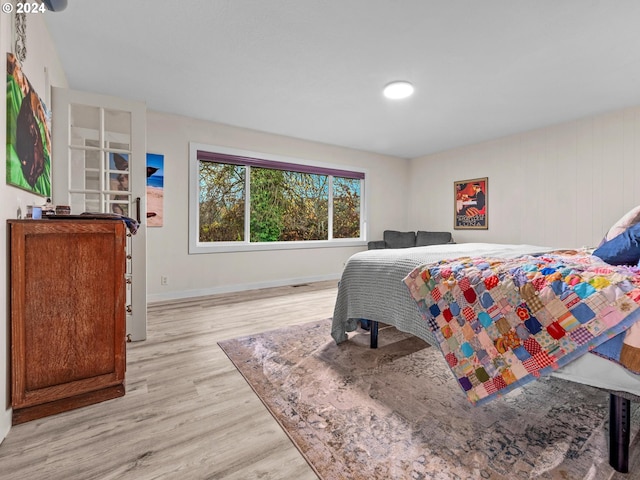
(470, 204)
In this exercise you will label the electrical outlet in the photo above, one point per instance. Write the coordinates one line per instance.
(164, 280)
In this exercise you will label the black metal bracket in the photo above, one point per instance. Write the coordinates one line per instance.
(374, 334)
(619, 432)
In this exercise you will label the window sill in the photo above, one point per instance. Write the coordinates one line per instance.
(228, 247)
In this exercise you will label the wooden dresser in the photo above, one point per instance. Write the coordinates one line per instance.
(67, 314)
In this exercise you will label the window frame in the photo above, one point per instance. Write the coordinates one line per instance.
(198, 247)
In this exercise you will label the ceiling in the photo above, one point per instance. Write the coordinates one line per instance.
(315, 69)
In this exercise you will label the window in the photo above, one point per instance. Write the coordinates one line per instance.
(244, 200)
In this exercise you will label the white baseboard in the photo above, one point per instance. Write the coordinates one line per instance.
(177, 295)
(5, 423)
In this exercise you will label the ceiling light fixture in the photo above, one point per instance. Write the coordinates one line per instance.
(398, 90)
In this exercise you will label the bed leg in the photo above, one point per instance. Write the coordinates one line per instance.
(619, 434)
(374, 334)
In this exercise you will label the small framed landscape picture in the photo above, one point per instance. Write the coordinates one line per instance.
(470, 207)
(155, 190)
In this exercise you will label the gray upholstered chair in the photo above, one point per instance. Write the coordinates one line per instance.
(433, 238)
(396, 239)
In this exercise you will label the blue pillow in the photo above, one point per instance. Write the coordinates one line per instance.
(623, 249)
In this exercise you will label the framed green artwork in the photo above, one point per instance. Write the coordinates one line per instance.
(28, 134)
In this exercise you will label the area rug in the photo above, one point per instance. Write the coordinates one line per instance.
(397, 413)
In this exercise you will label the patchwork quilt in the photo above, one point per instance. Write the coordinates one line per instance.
(501, 323)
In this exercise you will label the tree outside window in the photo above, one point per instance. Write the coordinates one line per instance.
(280, 204)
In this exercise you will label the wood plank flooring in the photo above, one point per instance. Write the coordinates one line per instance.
(187, 413)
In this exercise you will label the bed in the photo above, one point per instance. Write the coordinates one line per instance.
(372, 288)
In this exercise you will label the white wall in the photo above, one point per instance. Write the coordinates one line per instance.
(192, 275)
(561, 186)
(40, 56)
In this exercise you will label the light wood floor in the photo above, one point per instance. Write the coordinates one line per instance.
(187, 414)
